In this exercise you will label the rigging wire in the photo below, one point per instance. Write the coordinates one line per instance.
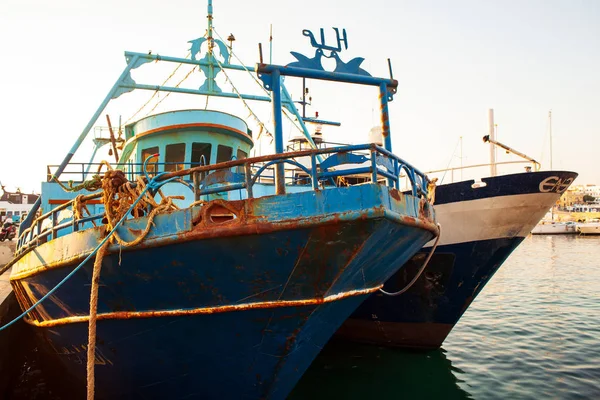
(262, 126)
(156, 91)
(168, 93)
(450, 161)
(259, 83)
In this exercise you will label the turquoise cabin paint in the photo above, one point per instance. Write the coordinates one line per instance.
(180, 137)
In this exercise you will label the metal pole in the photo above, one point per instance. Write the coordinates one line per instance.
(550, 128)
(112, 139)
(210, 17)
(271, 44)
(385, 124)
(303, 97)
(294, 110)
(461, 159)
(491, 132)
(279, 168)
(385, 117)
(288, 99)
(209, 36)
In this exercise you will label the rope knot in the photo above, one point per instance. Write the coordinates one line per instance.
(114, 179)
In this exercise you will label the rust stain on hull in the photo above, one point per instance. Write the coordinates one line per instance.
(245, 224)
(396, 195)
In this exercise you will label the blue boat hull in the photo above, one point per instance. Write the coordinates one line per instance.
(480, 228)
(233, 311)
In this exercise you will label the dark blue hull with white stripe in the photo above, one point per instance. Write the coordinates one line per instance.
(458, 271)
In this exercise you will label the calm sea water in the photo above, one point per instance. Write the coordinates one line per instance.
(533, 332)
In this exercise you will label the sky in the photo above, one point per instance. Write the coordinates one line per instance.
(453, 61)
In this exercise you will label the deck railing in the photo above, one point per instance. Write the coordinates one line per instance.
(367, 160)
(451, 173)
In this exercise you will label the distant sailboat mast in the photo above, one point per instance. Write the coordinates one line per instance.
(550, 131)
(492, 135)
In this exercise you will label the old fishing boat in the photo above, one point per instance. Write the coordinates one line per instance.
(483, 222)
(187, 269)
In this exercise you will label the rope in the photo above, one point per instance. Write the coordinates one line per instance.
(78, 207)
(91, 185)
(431, 190)
(398, 293)
(118, 193)
(91, 349)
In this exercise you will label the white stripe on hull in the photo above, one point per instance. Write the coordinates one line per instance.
(492, 218)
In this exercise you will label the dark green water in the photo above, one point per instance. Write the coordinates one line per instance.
(533, 333)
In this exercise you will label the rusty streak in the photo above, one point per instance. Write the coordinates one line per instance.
(251, 226)
(206, 310)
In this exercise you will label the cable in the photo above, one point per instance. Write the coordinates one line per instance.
(398, 293)
(156, 91)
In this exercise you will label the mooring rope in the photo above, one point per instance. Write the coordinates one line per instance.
(398, 293)
(91, 349)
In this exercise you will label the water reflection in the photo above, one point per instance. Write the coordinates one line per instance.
(353, 371)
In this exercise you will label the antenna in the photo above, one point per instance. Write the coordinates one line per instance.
(209, 31)
(461, 158)
(271, 44)
(491, 135)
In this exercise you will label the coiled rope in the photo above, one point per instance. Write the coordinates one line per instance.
(398, 293)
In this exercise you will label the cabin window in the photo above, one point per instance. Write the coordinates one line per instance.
(224, 153)
(201, 154)
(151, 167)
(9, 214)
(241, 154)
(17, 212)
(175, 157)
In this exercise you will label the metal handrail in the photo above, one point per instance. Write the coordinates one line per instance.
(254, 168)
(477, 166)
